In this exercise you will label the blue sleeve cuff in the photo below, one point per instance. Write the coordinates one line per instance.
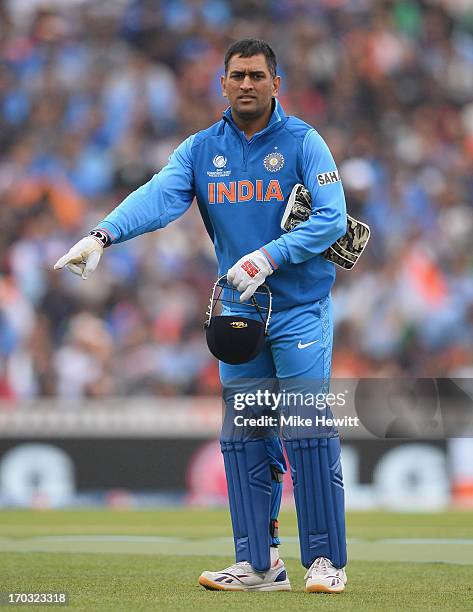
(110, 229)
(273, 254)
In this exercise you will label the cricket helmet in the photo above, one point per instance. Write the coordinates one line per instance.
(234, 338)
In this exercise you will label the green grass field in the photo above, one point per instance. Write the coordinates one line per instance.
(150, 560)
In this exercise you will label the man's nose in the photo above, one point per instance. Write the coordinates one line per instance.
(247, 83)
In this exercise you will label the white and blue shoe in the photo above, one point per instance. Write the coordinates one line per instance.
(242, 577)
(323, 577)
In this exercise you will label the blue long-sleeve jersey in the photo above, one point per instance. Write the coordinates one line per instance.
(242, 187)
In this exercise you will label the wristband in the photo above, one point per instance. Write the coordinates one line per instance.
(101, 237)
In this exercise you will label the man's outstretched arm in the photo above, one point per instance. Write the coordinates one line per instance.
(161, 200)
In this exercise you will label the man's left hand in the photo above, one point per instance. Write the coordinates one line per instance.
(249, 273)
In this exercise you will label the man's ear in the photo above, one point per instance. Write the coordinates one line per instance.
(222, 85)
(276, 86)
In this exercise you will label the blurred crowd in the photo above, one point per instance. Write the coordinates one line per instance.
(95, 95)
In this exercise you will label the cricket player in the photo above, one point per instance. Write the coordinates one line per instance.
(241, 170)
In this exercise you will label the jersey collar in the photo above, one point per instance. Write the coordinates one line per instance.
(277, 117)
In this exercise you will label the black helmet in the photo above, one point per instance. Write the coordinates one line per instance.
(237, 339)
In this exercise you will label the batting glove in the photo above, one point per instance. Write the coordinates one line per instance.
(249, 273)
(83, 257)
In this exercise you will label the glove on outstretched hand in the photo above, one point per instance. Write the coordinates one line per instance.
(83, 257)
(249, 273)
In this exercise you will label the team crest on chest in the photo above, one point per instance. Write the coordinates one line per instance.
(274, 161)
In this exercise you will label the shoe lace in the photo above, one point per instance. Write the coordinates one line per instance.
(321, 565)
(239, 566)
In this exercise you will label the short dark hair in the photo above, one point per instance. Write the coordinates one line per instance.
(247, 47)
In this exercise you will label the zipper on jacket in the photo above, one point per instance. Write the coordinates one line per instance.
(246, 144)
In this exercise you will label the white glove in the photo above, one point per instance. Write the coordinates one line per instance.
(249, 273)
(82, 258)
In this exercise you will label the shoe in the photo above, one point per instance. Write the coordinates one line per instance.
(242, 577)
(323, 577)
